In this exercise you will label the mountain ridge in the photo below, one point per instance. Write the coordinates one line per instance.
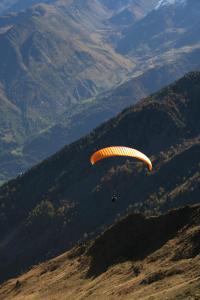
(68, 191)
(119, 264)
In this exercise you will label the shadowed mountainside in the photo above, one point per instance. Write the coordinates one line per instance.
(52, 206)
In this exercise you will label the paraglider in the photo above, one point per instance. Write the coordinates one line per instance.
(119, 151)
(114, 198)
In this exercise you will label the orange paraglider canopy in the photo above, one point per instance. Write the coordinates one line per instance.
(120, 151)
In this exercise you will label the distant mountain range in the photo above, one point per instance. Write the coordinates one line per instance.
(56, 203)
(57, 58)
(169, 29)
(44, 68)
(89, 114)
(170, 2)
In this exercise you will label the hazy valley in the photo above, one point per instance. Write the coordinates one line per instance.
(62, 66)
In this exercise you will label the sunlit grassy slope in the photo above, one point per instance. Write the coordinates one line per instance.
(137, 258)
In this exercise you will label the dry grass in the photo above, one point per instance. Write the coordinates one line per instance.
(159, 276)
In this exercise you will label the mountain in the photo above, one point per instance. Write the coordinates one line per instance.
(138, 7)
(136, 258)
(119, 5)
(59, 68)
(7, 6)
(92, 113)
(44, 69)
(170, 2)
(47, 210)
(166, 29)
(56, 59)
(128, 12)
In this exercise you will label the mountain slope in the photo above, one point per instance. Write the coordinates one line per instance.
(7, 6)
(44, 67)
(57, 202)
(170, 2)
(128, 12)
(167, 28)
(136, 258)
(81, 118)
(92, 113)
(57, 59)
